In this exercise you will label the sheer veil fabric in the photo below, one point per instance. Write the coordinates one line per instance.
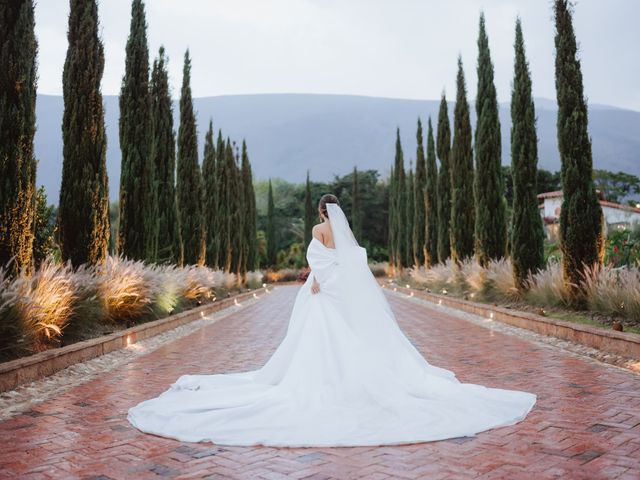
(344, 375)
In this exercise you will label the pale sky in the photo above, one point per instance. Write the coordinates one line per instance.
(383, 48)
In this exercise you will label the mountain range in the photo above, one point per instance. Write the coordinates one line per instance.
(288, 134)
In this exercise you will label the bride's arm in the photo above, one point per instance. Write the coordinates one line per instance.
(315, 286)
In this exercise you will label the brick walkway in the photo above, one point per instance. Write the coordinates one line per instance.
(586, 423)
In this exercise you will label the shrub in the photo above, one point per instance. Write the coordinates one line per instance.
(254, 279)
(379, 269)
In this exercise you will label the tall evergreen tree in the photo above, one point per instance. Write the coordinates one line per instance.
(490, 230)
(210, 197)
(250, 215)
(83, 214)
(444, 182)
(226, 207)
(391, 225)
(397, 230)
(419, 208)
(236, 201)
(462, 209)
(309, 215)
(408, 223)
(189, 185)
(163, 151)
(431, 201)
(18, 77)
(272, 241)
(527, 234)
(138, 195)
(581, 220)
(356, 208)
(220, 221)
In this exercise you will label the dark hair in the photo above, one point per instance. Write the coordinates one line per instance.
(327, 198)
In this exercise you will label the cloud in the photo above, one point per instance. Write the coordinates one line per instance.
(404, 48)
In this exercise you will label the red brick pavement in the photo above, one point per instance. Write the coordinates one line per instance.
(586, 423)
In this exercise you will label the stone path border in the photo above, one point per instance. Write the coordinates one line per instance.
(26, 396)
(624, 344)
(600, 357)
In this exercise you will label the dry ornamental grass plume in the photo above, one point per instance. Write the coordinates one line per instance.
(41, 304)
(614, 290)
(58, 305)
(547, 287)
(500, 278)
(126, 288)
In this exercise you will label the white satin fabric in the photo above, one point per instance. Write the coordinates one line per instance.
(344, 375)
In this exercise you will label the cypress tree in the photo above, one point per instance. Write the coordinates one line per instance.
(419, 227)
(189, 185)
(237, 218)
(408, 223)
(83, 215)
(444, 182)
(462, 209)
(209, 189)
(220, 226)
(527, 234)
(356, 208)
(581, 220)
(431, 201)
(391, 235)
(163, 150)
(309, 216)
(490, 222)
(272, 244)
(138, 196)
(398, 229)
(226, 173)
(250, 212)
(18, 77)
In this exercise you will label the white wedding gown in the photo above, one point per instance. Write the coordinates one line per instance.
(344, 375)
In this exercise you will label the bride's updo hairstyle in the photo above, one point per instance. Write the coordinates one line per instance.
(327, 198)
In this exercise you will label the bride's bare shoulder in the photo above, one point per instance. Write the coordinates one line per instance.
(321, 231)
(318, 230)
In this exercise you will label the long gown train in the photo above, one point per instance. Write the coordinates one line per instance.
(344, 375)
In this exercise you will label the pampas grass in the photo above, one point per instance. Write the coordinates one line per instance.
(500, 281)
(614, 290)
(547, 288)
(127, 289)
(35, 309)
(60, 305)
(607, 289)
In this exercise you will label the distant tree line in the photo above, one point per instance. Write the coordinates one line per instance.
(169, 211)
(287, 212)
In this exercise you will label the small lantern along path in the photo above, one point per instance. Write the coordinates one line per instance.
(586, 423)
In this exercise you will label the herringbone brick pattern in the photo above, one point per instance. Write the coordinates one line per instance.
(586, 423)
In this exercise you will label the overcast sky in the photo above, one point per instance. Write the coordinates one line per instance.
(386, 48)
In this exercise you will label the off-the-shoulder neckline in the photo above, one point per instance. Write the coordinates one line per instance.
(328, 248)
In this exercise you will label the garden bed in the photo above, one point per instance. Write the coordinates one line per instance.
(39, 365)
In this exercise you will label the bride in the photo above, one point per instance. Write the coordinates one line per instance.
(344, 375)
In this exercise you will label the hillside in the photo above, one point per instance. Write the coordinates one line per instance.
(288, 134)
